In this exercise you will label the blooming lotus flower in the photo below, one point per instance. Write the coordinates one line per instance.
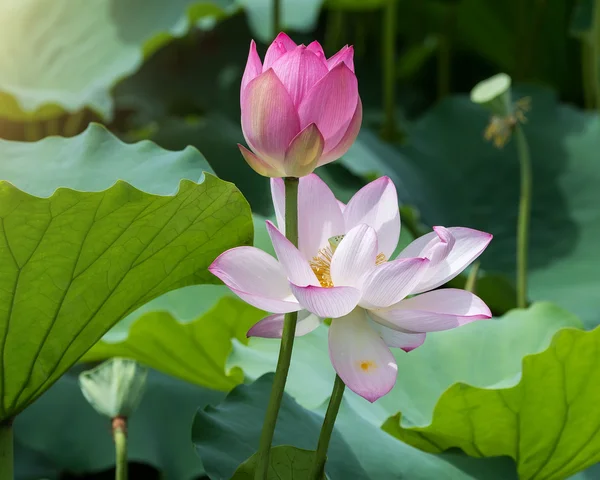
(300, 110)
(342, 270)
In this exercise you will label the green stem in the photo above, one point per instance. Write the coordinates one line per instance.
(389, 130)
(276, 17)
(587, 77)
(327, 429)
(472, 278)
(287, 342)
(524, 214)
(595, 52)
(6, 450)
(120, 437)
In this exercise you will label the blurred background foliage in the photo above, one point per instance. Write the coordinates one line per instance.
(170, 72)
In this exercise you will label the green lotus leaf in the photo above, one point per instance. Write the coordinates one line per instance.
(285, 462)
(548, 421)
(194, 351)
(76, 262)
(70, 54)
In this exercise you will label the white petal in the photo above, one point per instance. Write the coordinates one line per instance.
(354, 257)
(390, 282)
(320, 217)
(278, 196)
(434, 311)
(360, 357)
(297, 268)
(331, 302)
(451, 250)
(257, 278)
(397, 339)
(376, 204)
(272, 326)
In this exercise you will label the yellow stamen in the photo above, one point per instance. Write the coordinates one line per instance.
(321, 265)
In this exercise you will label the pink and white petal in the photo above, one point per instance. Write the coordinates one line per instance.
(450, 260)
(390, 282)
(354, 257)
(295, 265)
(253, 68)
(299, 70)
(278, 196)
(437, 310)
(331, 302)
(351, 132)
(260, 166)
(269, 119)
(360, 357)
(342, 206)
(256, 277)
(272, 326)
(397, 339)
(331, 102)
(346, 55)
(376, 205)
(317, 49)
(319, 216)
(302, 156)
(281, 45)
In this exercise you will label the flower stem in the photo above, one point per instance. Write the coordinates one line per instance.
(120, 438)
(276, 17)
(389, 129)
(287, 342)
(327, 429)
(524, 214)
(6, 450)
(472, 278)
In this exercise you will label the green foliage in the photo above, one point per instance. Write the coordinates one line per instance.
(194, 351)
(76, 262)
(547, 422)
(70, 57)
(64, 431)
(286, 463)
(455, 177)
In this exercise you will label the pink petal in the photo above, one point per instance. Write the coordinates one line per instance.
(302, 156)
(256, 277)
(331, 103)
(354, 257)
(376, 205)
(434, 311)
(390, 282)
(317, 49)
(346, 55)
(360, 357)
(278, 47)
(397, 339)
(269, 118)
(258, 165)
(299, 70)
(342, 206)
(331, 302)
(451, 250)
(319, 216)
(351, 132)
(253, 68)
(297, 268)
(278, 196)
(272, 326)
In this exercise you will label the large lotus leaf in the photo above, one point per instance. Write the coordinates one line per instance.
(226, 435)
(67, 55)
(76, 262)
(158, 431)
(548, 422)
(455, 177)
(285, 463)
(194, 351)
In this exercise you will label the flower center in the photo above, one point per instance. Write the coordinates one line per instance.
(321, 263)
(367, 365)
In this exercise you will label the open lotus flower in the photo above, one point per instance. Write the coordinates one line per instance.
(300, 110)
(342, 270)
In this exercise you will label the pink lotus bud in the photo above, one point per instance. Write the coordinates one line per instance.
(300, 110)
